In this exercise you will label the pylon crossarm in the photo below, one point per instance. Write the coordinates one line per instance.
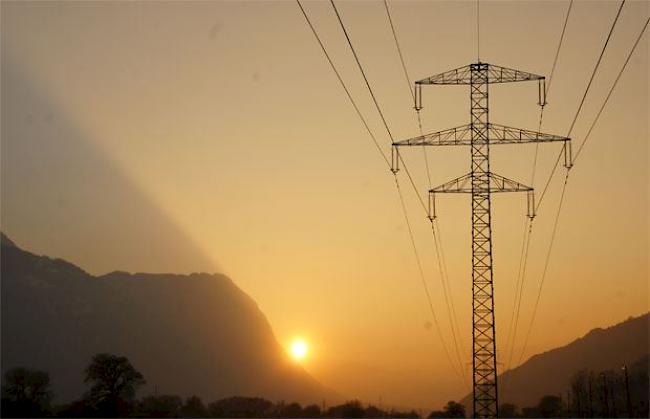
(502, 134)
(497, 134)
(498, 183)
(495, 74)
(453, 136)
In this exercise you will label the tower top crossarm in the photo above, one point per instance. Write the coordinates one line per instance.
(495, 74)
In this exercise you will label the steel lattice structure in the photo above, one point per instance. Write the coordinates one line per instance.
(480, 182)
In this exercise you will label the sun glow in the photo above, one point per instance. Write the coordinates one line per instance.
(299, 349)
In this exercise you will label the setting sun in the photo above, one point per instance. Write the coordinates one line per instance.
(299, 349)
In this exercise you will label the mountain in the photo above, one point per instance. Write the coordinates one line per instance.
(550, 372)
(195, 334)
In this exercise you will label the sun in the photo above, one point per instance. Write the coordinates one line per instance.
(299, 349)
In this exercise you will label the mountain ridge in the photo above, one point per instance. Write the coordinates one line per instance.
(599, 349)
(196, 334)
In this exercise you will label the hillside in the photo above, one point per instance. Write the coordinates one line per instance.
(188, 334)
(599, 350)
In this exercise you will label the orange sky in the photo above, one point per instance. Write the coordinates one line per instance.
(213, 136)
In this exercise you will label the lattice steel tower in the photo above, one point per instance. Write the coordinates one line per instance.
(480, 182)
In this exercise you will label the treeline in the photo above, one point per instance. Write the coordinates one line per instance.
(622, 393)
(113, 383)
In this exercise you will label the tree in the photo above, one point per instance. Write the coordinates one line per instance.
(454, 410)
(114, 382)
(508, 410)
(25, 392)
(550, 406)
(160, 406)
(240, 407)
(311, 411)
(451, 410)
(351, 409)
(194, 408)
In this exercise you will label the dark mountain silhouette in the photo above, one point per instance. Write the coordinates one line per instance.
(192, 334)
(599, 350)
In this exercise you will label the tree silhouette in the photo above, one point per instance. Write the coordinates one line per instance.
(451, 410)
(550, 406)
(113, 383)
(25, 393)
(351, 409)
(508, 410)
(161, 406)
(311, 411)
(194, 408)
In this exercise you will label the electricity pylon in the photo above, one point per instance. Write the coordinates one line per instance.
(480, 182)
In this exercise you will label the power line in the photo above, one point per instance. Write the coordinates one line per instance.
(528, 226)
(444, 280)
(399, 50)
(385, 158)
(559, 47)
(555, 166)
(374, 98)
(582, 101)
(548, 255)
(363, 73)
(600, 57)
(424, 282)
(546, 263)
(347, 92)
(600, 111)
(437, 240)
(547, 87)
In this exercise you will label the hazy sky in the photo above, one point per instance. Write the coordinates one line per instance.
(213, 136)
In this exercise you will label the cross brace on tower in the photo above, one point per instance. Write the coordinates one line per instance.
(480, 182)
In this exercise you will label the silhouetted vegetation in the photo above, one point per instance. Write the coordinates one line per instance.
(114, 382)
(113, 385)
(25, 393)
(604, 394)
(612, 393)
(451, 410)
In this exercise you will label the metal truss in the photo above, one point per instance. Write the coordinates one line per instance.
(479, 134)
(498, 183)
(497, 134)
(493, 74)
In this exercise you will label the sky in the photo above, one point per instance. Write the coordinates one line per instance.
(214, 136)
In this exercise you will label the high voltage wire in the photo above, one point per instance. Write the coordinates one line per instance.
(528, 225)
(374, 98)
(582, 101)
(424, 282)
(437, 239)
(363, 73)
(547, 87)
(575, 118)
(347, 92)
(360, 115)
(546, 263)
(410, 177)
(593, 74)
(559, 47)
(600, 111)
(548, 255)
(410, 87)
(547, 184)
(399, 50)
